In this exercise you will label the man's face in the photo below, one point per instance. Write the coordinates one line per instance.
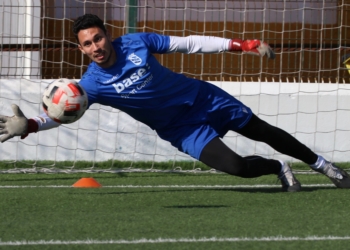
(97, 46)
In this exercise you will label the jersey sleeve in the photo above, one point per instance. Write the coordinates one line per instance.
(88, 83)
(156, 43)
(44, 122)
(198, 44)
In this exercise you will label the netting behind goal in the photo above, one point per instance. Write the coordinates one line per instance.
(304, 90)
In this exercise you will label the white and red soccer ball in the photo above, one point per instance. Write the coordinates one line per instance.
(64, 101)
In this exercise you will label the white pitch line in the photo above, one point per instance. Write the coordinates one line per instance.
(169, 240)
(170, 186)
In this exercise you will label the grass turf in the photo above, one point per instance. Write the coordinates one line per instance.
(121, 213)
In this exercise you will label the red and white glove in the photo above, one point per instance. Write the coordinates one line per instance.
(254, 47)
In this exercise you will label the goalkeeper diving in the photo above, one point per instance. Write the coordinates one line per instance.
(191, 114)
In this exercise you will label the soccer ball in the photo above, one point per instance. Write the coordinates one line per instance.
(64, 101)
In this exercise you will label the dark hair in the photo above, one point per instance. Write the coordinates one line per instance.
(87, 21)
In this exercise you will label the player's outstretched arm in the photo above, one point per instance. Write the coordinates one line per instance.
(19, 125)
(11, 126)
(211, 44)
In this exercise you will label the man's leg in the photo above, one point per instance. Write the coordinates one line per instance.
(217, 155)
(259, 130)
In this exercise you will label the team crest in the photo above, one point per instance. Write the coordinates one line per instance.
(135, 59)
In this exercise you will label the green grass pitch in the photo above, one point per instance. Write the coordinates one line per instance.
(171, 211)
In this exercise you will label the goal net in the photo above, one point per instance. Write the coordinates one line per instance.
(304, 91)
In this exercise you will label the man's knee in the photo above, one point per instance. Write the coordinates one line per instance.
(217, 155)
(235, 165)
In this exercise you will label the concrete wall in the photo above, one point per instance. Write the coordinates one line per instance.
(316, 114)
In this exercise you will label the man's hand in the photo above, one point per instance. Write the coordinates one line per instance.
(254, 47)
(13, 126)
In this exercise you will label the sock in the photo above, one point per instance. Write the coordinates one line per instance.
(282, 167)
(319, 163)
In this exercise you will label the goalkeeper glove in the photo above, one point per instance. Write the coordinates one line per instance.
(254, 47)
(17, 125)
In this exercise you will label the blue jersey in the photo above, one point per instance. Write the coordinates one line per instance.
(184, 111)
(138, 85)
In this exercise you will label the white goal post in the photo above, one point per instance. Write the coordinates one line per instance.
(304, 91)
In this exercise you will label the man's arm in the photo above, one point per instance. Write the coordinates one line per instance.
(19, 125)
(211, 44)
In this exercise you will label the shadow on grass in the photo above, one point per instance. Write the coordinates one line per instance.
(245, 190)
(198, 206)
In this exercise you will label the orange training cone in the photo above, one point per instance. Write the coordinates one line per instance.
(87, 183)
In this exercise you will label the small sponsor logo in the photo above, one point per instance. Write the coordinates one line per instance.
(135, 59)
(111, 79)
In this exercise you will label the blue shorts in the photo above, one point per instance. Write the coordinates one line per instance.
(213, 114)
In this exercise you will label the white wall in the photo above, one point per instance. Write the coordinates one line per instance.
(316, 114)
(20, 26)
